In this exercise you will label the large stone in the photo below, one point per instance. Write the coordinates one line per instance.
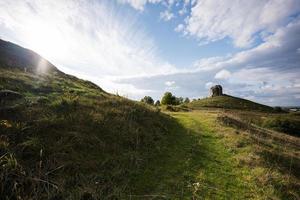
(216, 91)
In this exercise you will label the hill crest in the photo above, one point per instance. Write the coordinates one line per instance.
(229, 102)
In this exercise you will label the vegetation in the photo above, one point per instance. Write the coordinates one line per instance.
(157, 103)
(229, 102)
(204, 158)
(147, 100)
(66, 138)
(283, 122)
(169, 99)
(186, 100)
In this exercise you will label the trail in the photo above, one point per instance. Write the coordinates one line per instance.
(196, 164)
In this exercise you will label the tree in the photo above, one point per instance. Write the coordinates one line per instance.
(186, 100)
(168, 99)
(157, 103)
(178, 100)
(147, 100)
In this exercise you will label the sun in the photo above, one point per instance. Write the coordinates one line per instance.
(47, 40)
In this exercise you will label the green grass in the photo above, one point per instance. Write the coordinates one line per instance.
(203, 159)
(66, 138)
(283, 122)
(229, 102)
(92, 142)
(73, 140)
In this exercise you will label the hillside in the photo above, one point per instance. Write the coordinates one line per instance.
(65, 138)
(229, 102)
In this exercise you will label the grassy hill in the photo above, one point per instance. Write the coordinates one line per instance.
(229, 102)
(65, 138)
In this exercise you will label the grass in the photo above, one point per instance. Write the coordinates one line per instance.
(75, 141)
(229, 102)
(203, 159)
(66, 138)
(72, 138)
(283, 122)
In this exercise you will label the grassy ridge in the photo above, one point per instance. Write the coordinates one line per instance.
(229, 102)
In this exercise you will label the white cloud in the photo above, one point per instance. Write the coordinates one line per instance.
(92, 38)
(99, 42)
(223, 74)
(267, 73)
(209, 85)
(170, 83)
(138, 4)
(210, 63)
(278, 51)
(213, 20)
(179, 27)
(166, 15)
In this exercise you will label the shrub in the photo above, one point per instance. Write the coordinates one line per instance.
(178, 101)
(278, 109)
(147, 100)
(186, 100)
(157, 103)
(168, 99)
(281, 124)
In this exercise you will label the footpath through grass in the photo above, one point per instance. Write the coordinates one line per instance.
(204, 160)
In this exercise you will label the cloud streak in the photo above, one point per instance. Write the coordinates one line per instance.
(93, 38)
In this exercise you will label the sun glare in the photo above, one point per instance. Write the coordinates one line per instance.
(47, 40)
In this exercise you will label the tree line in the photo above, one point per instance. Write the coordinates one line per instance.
(167, 99)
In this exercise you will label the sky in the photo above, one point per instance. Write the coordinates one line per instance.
(138, 48)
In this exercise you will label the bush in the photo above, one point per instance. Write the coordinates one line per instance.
(147, 100)
(157, 103)
(281, 124)
(186, 100)
(178, 100)
(278, 109)
(168, 99)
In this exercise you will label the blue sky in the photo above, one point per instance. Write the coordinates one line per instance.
(146, 47)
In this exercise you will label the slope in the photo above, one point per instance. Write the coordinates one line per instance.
(62, 137)
(66, 138)
(229, 102)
